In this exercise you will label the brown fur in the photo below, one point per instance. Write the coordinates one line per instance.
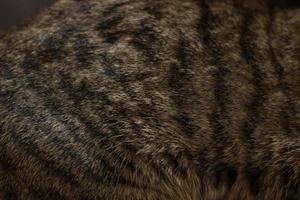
(151, 100)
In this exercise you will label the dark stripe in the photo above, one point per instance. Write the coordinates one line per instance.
(33, 74)
(220, 136)
(6, 162)
(174, 162)
(180, 81)
(122, 79)
(144, 39)
(108, 29)
(279, 69)
(126, 82)
(110, 179)
(111, 33)
(40, 85)
(81, 93)
(36, 63)
(110, 23)
(35, 152)
(221, 72)
(9, 192)
(292, 192)
(30, 63)
(203, 162)
(112, 9)
(28, 112)
(292, 184)
(84, 51)
(5, 68)
(255, 105)
(146, 111)
(289, 111)
(155, 9)
(113, 36)
(225, 173)
(37, 82)
(254, 112)
(48, 194)
(32, 149)
(254, 176)
(52, 48)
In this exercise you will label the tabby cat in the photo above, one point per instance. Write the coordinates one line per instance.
(152, 100)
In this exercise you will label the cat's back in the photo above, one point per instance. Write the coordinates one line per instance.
(151, 100)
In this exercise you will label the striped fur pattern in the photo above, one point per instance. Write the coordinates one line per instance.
(151, 100)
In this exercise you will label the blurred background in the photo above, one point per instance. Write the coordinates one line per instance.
(16, 11)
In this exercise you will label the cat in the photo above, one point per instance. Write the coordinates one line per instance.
(151, 100)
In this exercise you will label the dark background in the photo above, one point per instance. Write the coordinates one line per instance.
(16, 11)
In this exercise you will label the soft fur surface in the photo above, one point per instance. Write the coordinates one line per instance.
(151, 100)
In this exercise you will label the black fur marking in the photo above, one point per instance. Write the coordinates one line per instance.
(220, 135)
(47, 194)
(109, 22)
(89, 173)
(9, 192)
(232, 174)
(5, 70)
(76, 97)
(181, 83)
(202, 162)
(121, 79)
(174, 162)
(220, 73)
(66, 174)
(185, 122)
(289, 112)
(84, 51)
(293, 192)
(39, 84)
(83, 92)
(254, 177)
(155, 10)
(30, 62)
(30, 148)
(287, 173)
(255, 105)
(225, 172)
(112, 9)
(112, 22)
(107, 29)
(112, 37)
(6, 163)
(52, 48)
(143, 39)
